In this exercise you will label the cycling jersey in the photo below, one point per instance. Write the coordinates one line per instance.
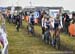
(56, 23)
(31, 20)
(52, 22)
(48, 24)
(43, 23)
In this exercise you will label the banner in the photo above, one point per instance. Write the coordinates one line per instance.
(12, 9)
(36, 14)
(53, 12)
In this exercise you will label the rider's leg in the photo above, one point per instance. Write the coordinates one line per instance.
(54, 38)
(58, 39)
(45, 36)
(50, 39)
(43, 31)
(32, 26)
(58, 42)
(18, 26)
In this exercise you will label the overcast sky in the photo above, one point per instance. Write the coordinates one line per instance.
(67, 4)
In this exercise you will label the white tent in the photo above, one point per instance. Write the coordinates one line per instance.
(67, 4)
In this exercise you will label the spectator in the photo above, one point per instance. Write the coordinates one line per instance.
(66, 21)
(73, 17)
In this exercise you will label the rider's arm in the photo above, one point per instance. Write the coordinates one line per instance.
(61, 21)
(45, 25)
(42, 22)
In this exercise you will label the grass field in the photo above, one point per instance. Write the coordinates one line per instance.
(66, 40)
(23, 43)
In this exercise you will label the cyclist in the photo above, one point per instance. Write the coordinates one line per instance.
(31, 23)
(56, 35)
(43, 26)
(47, 34)
(18, 23)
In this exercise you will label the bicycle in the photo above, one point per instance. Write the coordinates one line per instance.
(56, 38)
(47, 36)
(30, 29)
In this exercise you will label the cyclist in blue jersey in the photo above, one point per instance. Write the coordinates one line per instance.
(31, 24)
(47, 34)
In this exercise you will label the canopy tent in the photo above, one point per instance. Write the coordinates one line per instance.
(45, 3)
